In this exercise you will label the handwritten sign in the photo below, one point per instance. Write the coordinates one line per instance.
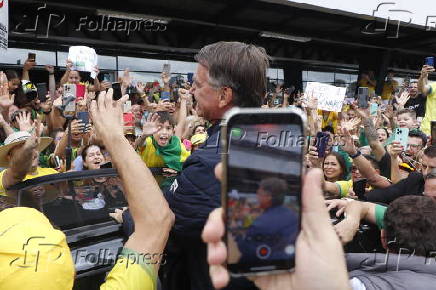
(84, 59)
(330, 98)
(4, 21)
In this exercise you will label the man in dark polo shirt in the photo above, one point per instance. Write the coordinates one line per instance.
(228, 74)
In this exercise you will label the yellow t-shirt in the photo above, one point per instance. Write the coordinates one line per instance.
(39, 172)
(388, 89)
(331, 120)
(131, 271)
(430, 110)
(152, 159)
(344, 187)
(365, 83)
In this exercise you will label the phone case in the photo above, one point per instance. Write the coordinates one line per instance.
(69, 99)
(128, 120)
(80, 92)
(224, 148)
(402, 135)
(373, 109)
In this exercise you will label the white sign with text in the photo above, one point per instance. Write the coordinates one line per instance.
(330, 98)
(84, 59)
(4, 21)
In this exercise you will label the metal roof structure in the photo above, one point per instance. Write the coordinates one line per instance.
(295, 35)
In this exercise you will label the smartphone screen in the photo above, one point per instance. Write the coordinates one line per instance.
(402, 136)
(41, 88)
(84, 117)
(363, 94)
(433, 132)
(322, 141)
(117, 91)
(69, 99)
(262, 196)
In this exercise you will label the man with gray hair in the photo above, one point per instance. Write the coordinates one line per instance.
(228, 74)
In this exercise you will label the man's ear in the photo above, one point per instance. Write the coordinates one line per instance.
(383, 239)
(226, 97)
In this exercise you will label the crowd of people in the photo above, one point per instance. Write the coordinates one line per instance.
(364, 171)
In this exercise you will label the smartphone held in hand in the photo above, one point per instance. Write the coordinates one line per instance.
(84, 118)
(41, 88)
(116, 87)
(261, 197)
(322, 141)
(69, 99)
(402, 135)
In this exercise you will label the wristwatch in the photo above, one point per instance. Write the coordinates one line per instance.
(358, 153)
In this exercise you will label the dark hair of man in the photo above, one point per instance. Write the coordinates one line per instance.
(411, 113)
(164, 116)
(277, 187)
(11, 74)
(240, 66)
(410, 223)
(419, 134)
(430, 151)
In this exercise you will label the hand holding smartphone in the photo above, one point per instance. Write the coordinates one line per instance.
(69, 99)
(322, 140)
(84, 118)
(402, 135)
(265, 191)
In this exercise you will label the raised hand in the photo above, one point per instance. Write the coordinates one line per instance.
(165, 78)
(395, 149)
(107, 116)
(351, 124)
(50, 69)
(348, 143)
(426, 70)
(24, 121)
(140, 88)
(151, 126)
(402, 100)
(6, 100)
(29, 64)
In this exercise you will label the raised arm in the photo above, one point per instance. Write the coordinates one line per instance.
(183, 112)
(21, 160)
(423, 86)
(64, 78)
(51, 81)
(371, 134)
(394, 151)
(28, 65)
(148, 207)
